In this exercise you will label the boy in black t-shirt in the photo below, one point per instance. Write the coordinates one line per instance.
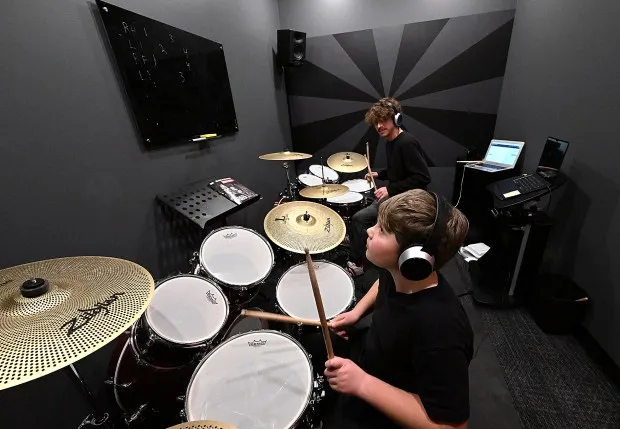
(411, 369)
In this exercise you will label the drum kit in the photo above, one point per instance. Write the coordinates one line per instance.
(188, 342)
(324, 184)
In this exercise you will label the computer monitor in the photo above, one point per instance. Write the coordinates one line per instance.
(553, 154)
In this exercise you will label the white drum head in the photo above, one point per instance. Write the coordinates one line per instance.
(358, 185)
(319, 170)
(294, 291)
(348, 198)
(236, 256)
(187, 310)
(309, 179)
(260, 379)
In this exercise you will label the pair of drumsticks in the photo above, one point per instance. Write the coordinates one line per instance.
(319, 306)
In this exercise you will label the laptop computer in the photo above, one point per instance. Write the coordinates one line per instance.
(501, 155)
(552, 157)
(550, 162)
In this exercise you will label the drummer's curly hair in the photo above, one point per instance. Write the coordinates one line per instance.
(381, 111)
(410, 217)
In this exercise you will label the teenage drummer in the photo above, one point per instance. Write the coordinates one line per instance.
(406, 169)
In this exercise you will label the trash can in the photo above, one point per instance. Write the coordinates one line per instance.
(557, 304)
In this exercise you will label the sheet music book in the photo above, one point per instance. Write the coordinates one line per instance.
(232, 190)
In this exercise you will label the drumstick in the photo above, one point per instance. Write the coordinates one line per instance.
(279, 317)
(319, 305)
(372, 179)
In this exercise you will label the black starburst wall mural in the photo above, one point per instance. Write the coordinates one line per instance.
(446, 73)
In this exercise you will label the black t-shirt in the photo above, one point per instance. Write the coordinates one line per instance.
(421, 343)
(406, 166)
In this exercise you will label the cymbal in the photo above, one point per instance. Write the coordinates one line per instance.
(347, 162)
(298, 225)
(89, 301)
(203, 424)
(286, 155)
(323, 191)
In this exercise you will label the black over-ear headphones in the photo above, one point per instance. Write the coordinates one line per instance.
(397, 118)
(418, 262)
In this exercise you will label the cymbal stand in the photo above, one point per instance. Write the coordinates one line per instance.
(289, 192)
(97, 418)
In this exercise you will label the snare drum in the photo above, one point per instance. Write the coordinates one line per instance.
(179, 324)
(346, 205)
(261, 379)
(322, 171)
(294, 294)
(238, 259)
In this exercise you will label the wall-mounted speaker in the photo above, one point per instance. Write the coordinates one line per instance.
(291, 47)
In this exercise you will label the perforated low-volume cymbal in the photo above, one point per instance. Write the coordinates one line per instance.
(323, 191)
(286, 155)
(204, 424)
(347, 162)
(298, 225)
(55, 312)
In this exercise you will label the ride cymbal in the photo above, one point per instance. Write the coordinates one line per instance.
(285, 156)
(203, 424)
(324, 191)
(347, 162)
(55, 312)
(298, 225)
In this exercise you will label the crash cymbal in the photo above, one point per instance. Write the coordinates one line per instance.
(204, 424)
(286, 155)
(298, 225)
(347, 162)
(89, 301)
(324, 191)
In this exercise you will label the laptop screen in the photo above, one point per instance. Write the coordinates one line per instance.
(503, 152)
(553, 153)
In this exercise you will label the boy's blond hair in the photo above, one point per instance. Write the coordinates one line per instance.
(410, 216)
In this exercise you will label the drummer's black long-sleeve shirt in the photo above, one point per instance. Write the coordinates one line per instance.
(406, 166)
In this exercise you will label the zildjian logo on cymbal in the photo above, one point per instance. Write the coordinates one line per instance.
(328, 225)
(85, 316)
(284, 218)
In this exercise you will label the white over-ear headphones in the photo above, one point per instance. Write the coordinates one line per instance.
(398, 117)
(418, 262)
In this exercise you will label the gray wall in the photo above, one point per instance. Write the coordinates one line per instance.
(562, 80)
(73, 177)
(321, 17)
(326, 17)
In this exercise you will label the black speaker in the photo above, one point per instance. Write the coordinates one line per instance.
(291, 47)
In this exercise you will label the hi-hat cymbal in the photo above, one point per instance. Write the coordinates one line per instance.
(286, 155)
(323, 191)
(204, 424)
(347, 162)
(89, 301)
(298, 225)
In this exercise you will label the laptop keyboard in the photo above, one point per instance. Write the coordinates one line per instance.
(529, 183)
(492, 166)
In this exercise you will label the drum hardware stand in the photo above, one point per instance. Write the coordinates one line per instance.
(92, 419)
(289, 191)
